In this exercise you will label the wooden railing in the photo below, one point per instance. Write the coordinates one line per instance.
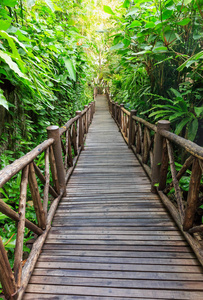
(154, 148)
(47, 178)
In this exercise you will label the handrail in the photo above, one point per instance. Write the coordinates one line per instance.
(152, 146)
(61, 152)
(147, 124)
(124, 110)
(9, 171)
(189, 146)
(68, 124)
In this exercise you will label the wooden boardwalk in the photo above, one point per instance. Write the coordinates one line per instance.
(111, 237)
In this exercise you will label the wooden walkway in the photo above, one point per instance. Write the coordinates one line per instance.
(111, 237)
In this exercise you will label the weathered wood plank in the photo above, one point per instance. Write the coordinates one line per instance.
(112, 292)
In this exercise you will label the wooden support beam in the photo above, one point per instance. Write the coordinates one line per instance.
(53, 170)
(43, 180)
(158, 147)
(46, 187)
(182, 171)
(6, 275)
(80, 131)
(178, 193)
(21, 227)
(36, 197)
(6, 210)
(193, 195)
(53, 132)
(164, 167)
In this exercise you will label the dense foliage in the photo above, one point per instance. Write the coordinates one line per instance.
(158, 67)
(44, 73)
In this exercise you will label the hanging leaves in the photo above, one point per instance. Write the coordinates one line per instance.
(135, 24)
(108, 10)
(70, 67)
(3, 101)
(12, 64)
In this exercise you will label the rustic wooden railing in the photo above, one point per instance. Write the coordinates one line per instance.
(154, 147)
(47, 184)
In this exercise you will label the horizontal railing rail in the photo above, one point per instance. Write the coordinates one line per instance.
(154, 147)
(46, 169)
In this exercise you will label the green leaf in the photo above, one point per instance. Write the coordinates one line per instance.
(10, 244)
(167, 14)
(126, 3)
(3, 217)
(135, 24)
(150, 25)
(132, 12)
(142, 52)
(180, 126)
(5, 35)
(50, 4)
(198, 111)
(12, 64)
(10, 3)
(5, 24)
(70, 68)
(126, 42)
(176, 116)
(3, 101)
(30, 3)
(160, 62)
(176, 93)
(187, 2)
(160, 49)
(192, 130)
(117, 46)
(184, 22)
(159, 112)
(193, 58)
(108, 10)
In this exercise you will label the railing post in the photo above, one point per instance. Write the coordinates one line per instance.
(92, 111)
(116, 111)
(95, 92)
(131, 139)
(6, 275)
(113, 109)
(86, 119)
(94, 107)
(53, 132)
(120, 117)
(158, 148)
(193, 195)
(80, 131)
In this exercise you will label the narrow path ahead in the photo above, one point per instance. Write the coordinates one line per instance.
(111, 237)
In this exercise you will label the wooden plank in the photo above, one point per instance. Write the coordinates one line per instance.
(73, 297)
(156, 248)
(112, 292)
(119, 267)
(129, 229)
(117, 274)
(106, 231)
(120, 260)
(109, 237)
(98, 253)
(117, 283)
